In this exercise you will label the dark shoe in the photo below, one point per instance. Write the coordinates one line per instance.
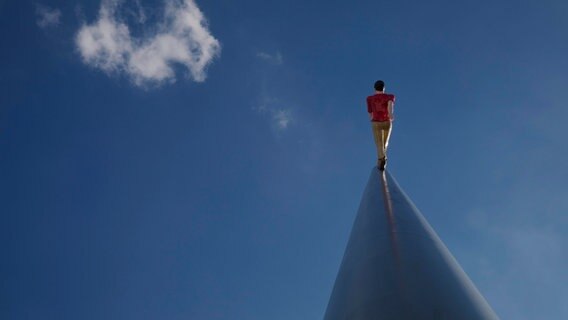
(382, 164)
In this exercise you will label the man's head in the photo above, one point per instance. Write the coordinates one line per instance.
(380, 85)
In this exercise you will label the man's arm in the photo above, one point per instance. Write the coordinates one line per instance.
(391, 110)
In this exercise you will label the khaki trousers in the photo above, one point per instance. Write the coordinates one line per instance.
(381, 133)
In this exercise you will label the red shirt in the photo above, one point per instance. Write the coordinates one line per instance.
(377, 104)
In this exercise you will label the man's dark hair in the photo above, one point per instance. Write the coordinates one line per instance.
(380, 85)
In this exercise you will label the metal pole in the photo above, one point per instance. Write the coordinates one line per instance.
(395, 266)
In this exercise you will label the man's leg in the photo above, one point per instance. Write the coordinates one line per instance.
(378, 136)
(385, 129)
(385, 134)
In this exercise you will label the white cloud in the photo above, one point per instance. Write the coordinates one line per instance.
(47, 17)
(182, 38)
(271, 58)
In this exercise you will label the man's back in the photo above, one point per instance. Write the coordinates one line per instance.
(377, 105)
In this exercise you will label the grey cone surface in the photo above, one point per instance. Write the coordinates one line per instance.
(396, 267)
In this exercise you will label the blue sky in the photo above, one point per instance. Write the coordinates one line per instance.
(205, 160)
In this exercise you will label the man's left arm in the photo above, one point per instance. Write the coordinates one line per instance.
(391, 110)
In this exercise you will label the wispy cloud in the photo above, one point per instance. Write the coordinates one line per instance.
(276, 58)
(532, 253)
(182, 38)
(280, 115)
(47, 17)
(279, 112)
(140, 13)
(282, 118)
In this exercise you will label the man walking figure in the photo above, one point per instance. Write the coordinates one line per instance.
(380, 109)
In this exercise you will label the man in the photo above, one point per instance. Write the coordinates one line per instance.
(380, 109)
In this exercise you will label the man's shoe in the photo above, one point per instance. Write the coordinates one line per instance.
(382, 164)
